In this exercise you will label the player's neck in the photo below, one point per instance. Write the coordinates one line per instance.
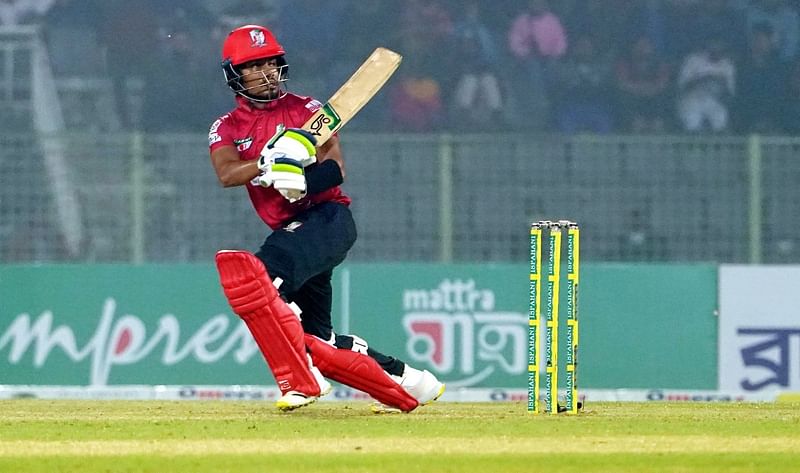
(259, 105)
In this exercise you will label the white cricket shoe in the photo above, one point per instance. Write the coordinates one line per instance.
(422, 385)
(294, 399)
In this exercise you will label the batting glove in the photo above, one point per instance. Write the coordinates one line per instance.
(293, 142)
(286, 175)
(282, 161)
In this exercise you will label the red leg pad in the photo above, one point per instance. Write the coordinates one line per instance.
(359, 371)
(274, 326)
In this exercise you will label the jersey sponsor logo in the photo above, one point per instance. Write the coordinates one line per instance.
(213, 136)
(243, 144)
(216, 124)
(314, 105)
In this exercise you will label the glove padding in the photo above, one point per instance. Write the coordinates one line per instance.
(286, 175)
(296, 143)
(282, 161)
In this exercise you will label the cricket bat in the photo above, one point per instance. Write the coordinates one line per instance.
(353, 94)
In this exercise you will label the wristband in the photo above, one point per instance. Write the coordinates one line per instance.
(323, 176)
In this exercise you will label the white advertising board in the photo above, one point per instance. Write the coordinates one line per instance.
(759, 328)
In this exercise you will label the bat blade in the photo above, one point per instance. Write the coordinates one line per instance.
(353, 94)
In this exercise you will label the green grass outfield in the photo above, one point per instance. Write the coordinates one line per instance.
(224, 436)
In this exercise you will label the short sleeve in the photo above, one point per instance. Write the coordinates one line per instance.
(219, 133)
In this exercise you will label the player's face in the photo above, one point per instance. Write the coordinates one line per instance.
(260, 77)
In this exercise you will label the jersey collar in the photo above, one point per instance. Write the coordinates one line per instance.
(247, 105)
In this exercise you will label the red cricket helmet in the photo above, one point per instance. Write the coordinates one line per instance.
(248, 43)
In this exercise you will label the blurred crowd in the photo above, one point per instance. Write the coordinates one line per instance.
(602, 66)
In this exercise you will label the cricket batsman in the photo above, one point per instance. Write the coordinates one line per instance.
(283, 292)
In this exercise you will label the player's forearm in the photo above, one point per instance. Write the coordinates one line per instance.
(237, 173)
(231, 170)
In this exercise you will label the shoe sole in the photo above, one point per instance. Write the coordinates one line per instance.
(438, 395)
(290, 407)
(311, 400)
(378, 408)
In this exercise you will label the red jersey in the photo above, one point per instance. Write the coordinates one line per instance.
(248, 129)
